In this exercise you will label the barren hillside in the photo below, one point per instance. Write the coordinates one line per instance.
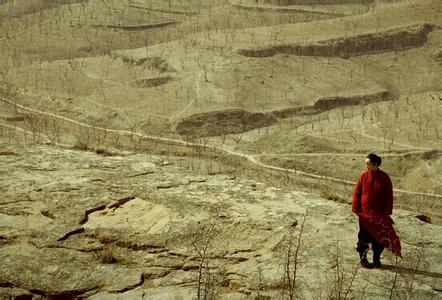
(162, 149)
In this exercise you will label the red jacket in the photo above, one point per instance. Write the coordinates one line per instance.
(373, 194)
(373, 202)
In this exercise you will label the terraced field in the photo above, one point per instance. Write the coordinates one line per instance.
(130, 128)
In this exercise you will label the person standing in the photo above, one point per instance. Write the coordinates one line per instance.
(373, 203)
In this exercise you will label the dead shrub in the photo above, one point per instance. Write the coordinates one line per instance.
(108, 254)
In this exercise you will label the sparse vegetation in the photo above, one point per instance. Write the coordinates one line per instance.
(292, 257)
(342, 278)
(108, 255)
(208, 248)
(309, 96)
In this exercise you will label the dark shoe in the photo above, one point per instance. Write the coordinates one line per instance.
(377, 264)
(365, 264)
(376, 260)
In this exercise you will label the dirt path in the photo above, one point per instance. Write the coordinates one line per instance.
(191, 102)
(337, 154)
(392, 142)
(250, 158)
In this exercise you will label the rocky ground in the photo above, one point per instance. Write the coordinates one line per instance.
(76, 223)
(208, 149)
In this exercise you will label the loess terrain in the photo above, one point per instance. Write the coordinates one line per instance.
(165, 149)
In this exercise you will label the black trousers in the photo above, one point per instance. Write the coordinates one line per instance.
(364, 240)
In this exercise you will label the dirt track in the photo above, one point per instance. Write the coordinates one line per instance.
(251, 158)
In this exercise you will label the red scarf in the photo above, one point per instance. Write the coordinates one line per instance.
(381, 229)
